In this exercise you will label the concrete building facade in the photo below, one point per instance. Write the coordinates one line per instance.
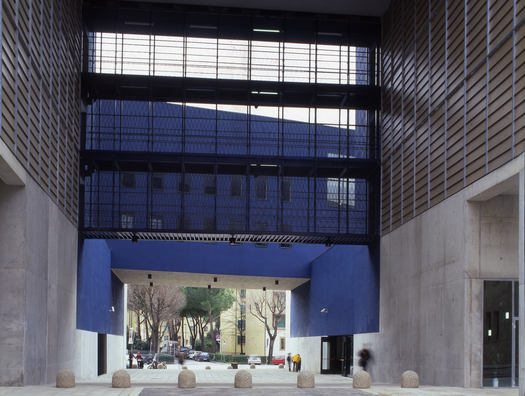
(452, 200)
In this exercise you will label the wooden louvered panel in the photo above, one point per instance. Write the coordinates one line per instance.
(397, 37)
(8, 83)
(500, 106)
(421, 183)
(422, 78)
(386, 67)
(437, 156)
(476, 33)
(422, 15)
(436, 5)
(385, 201)
(395, 212)
(455, 44)
(501, 21)
(36, 31)
(476, 103)
(409, 94)
(408, 26)
(23, 22)
(520, 10)
(519, 93)
(397, 109)
(408, 178)
(437, 58)
(455, 142)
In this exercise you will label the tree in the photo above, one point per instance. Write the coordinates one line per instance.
(235, 320)
(205, 306)
(158, 305)
(270, 309)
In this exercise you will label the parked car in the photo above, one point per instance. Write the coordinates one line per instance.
(190, 354)
(203, 357)
(279, 359)
(184, 350)
(196, 355)
(254, 359)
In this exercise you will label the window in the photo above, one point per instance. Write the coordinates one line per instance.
(243, 308)
(286, 190)
(210, 185)
(209, 224)
(243, 293)
(127, 180)
(183, 222)
(236, 225)
(241, 324)
(127, 220)
(155, 222)
(236, 186)
(340, 192)
(157, 183)
(261, 188)
(184, 183)
(282, 344)
(241, 339)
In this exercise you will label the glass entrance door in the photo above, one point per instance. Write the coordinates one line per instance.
(329, 363)
(500, 334)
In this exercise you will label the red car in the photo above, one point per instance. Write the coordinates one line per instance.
(279, 359)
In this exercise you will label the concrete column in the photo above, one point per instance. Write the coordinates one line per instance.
(522, 282)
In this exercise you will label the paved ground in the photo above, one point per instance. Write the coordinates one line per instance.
(267, 380)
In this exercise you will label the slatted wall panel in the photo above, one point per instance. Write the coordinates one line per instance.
(408, 177)
(475, 137)
(386, 67)
(9, 76)
(46, 102)
(469, 87)
(437, 58)
(421, 181)
(519, 90)
(455, 44)
(476, 33)
(500, 106)
(41, 93)
(396, 197)
(385, 197)
(455, 142)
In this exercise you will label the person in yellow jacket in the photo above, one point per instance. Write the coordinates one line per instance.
(296, 363)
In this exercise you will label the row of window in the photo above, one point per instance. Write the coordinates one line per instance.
(337, 189)
(127, 180)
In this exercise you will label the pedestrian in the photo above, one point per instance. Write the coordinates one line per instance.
(299, 363)
(289, 360)
(181, 358)
(140, 361)
(364, 356)
(296, 359)
(130, 359)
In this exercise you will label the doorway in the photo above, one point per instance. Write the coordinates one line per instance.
(102, 367)
(500, 333)
(337, 355)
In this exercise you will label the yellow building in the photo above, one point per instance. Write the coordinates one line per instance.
(241, 332)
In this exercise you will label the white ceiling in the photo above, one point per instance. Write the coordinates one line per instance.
(160, 278)
(346, 7)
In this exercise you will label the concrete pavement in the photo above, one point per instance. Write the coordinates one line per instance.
(267, 380)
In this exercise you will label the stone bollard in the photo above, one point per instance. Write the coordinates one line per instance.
(409, 379)
(361, 380)
(252, 366)
(187, 379)
(208, 368)
(243, 379)
(229, 367)
(65, 379)
(305, 379)
(281, 366)
(121, 379)
(184, 367)
(162, 366)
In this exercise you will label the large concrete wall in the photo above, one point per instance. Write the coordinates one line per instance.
(432, 272)
(38, 249)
